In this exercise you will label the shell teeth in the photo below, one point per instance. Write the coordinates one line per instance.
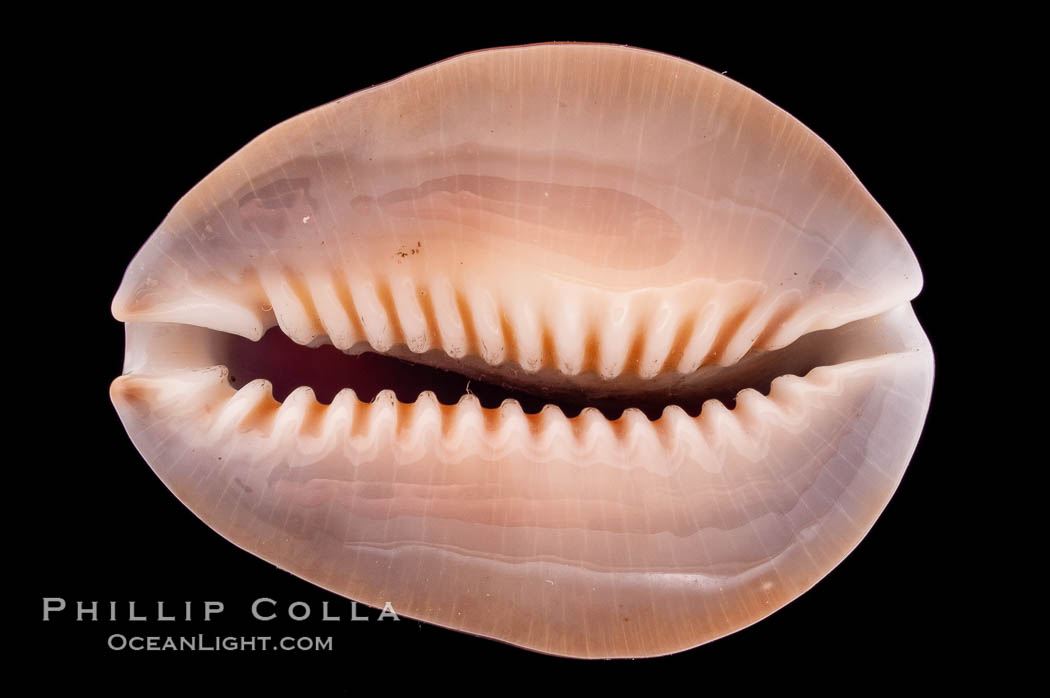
(484, 318)
(761, 319)
(332, 312)
(659, 339)
(249, 409)
(450, 325)
(292, 306)
(643, 334)
(526, 335)
(566, 323)
(684, 440)
(340, 414)
(415, 328)
(699, 340)
(413, 430)
(375, 320)
(297, 414)
(564, 326)
(620, 323)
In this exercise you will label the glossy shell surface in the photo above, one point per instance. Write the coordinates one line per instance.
(598, 223)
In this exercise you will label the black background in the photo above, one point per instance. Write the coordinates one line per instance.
(134, 118)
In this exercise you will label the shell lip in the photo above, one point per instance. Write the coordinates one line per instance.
(287, 367)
